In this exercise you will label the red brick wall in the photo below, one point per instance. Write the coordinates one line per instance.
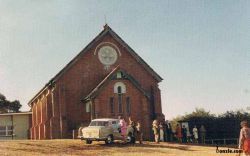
(139, 105)
(68, 112)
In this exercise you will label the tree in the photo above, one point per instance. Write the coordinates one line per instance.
(8, 106)
(2, 97)
(198, 113)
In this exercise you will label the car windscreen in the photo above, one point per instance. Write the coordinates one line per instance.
(99, 123)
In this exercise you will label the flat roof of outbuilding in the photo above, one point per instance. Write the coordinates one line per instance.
(19, 113)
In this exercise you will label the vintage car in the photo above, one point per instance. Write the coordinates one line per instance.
(106, 129)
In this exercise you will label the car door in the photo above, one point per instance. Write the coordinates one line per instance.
(116, 133)
(107, 129)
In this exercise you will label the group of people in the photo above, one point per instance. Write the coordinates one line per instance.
(136, 129)
(157, 128)
(183, 135)
(163, 131)
(158, 131)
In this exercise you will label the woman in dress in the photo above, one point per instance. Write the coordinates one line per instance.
(244, 139)
(156, 130)
(195, 133)
(123, 126)
(178, 133)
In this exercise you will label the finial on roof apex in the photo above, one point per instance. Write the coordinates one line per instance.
(105, 26)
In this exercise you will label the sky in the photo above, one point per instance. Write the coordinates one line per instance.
(200, 48)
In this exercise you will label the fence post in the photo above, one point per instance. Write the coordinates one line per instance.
(224, 141)
(73, 134)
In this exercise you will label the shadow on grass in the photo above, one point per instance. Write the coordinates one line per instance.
(146, 145)
(120, 146)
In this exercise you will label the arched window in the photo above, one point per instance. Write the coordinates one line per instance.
(119, 88)
(111, 103)
(119, 103)
(128, 105)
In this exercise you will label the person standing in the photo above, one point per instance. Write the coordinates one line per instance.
(184, 134)
(123, 126)
(156, 130)
(119, 125)
(203, 134)
(244, 139)
(170, 132)
(133, 126)
(161, 132)
(189, 136)
(166, 131)
(195, 133)
(139, 132)
(178, 133)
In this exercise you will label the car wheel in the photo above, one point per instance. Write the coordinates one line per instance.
(88, 142)
(109, 139)
(129, 138)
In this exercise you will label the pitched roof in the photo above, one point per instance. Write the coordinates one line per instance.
(111, 76)
(101, 83)
(106, 30)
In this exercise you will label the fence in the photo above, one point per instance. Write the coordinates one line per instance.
(230, 141)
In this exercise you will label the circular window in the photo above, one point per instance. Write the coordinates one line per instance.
(107, 55)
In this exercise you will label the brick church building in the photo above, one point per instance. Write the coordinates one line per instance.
(105, 80)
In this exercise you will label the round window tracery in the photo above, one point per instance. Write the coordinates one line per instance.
(107, 55)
